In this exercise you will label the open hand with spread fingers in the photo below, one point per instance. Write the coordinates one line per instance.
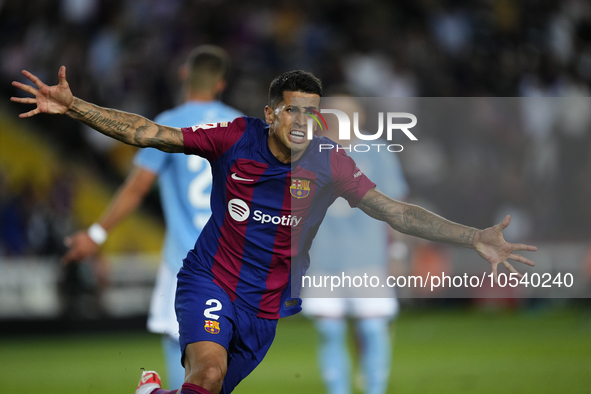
(55, 99)
(491, 245)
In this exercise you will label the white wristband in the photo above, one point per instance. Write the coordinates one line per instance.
(97, 233)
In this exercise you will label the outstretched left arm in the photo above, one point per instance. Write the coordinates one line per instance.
(414, 220)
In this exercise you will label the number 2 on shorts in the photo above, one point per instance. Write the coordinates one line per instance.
(217, 307)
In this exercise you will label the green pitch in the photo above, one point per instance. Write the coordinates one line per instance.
(434, 352)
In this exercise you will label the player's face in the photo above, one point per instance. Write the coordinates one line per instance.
(287, 135)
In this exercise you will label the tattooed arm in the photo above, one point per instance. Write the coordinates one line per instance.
(414, 220)
(123, 126)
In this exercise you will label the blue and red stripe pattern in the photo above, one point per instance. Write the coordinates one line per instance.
(265, 213)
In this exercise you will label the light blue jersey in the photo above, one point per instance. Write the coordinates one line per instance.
(184, 180)
(349, 238)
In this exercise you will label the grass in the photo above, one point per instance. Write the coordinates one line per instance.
(434, 352)
(491, 353)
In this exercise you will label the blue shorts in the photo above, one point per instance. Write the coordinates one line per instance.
(206, 313)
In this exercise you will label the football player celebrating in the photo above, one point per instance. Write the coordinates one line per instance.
(271, 189)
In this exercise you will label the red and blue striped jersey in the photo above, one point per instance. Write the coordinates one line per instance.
(265, 213)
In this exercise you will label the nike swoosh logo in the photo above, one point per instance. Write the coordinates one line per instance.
(236, 177)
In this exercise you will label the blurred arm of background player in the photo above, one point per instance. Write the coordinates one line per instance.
(128, 197)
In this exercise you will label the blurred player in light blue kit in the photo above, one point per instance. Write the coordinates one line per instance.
(352, 243)
(185, 187)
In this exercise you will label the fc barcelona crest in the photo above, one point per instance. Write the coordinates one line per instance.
(300, 188)
(212, 327)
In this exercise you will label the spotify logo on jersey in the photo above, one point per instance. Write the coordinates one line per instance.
(238, 209)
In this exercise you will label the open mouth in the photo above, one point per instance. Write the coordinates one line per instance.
(297, 136)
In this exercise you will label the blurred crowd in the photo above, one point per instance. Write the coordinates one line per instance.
(126, 53)
(33, 221)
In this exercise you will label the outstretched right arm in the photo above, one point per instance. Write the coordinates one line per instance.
(128, 128)
(125, 127)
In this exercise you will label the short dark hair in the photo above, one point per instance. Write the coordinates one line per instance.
(206, 65)
(293, 81)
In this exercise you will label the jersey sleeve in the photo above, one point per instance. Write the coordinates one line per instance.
(211, 140)
(349, 181)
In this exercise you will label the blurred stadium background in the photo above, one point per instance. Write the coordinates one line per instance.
(81, 329)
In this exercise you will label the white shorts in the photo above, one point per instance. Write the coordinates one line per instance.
(360, 308)
(162, 317)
